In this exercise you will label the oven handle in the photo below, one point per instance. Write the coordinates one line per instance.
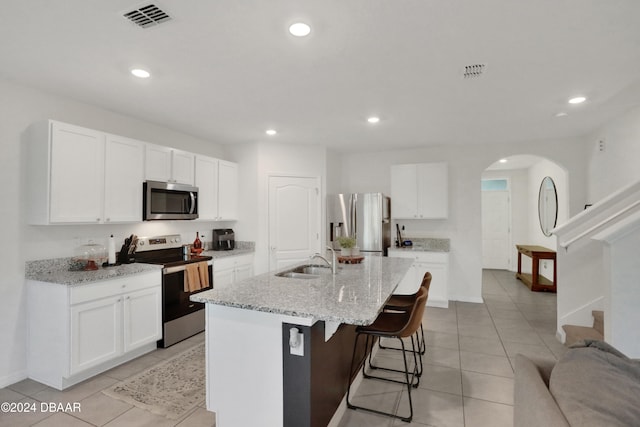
(176, 269)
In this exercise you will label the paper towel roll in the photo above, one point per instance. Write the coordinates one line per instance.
(112, 251)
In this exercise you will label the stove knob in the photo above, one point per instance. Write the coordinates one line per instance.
(141, 243)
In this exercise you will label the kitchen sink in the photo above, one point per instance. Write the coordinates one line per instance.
(306, 272)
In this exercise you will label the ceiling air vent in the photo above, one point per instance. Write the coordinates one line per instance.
(473, 71)
(147, 16)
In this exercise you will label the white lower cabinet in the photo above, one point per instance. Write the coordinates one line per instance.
(88, 347)
(230, 270)
(76, 332)
(437, 263)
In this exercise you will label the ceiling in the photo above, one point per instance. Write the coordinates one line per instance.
(228, 70)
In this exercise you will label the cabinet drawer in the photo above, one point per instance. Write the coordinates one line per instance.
(107, 288)
(232, 261)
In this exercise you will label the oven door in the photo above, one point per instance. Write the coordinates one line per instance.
(165, 200)
(175, 301)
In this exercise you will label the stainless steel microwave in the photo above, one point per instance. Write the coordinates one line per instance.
(168, 200)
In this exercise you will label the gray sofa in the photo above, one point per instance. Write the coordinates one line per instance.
(592, 385)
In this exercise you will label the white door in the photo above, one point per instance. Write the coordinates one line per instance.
(496, 226)
(294, 219)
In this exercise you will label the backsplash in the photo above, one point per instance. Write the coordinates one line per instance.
(430, 244)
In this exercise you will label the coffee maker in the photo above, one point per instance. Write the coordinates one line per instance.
(223, 239)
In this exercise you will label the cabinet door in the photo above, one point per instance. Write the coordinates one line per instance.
(433, 190)
(227, 190)
(243, 271)
(409, 283)
(404, 191)
(77, 174)
(438, 295)
(96, 332)
(157, 163)
(124, 173)
(182, 167)
(207, 183)
(142, 318)
(222, 278)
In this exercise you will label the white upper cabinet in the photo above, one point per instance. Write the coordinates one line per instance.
(217, 182)
(80, 176)
(227, 190)
(420, 191)
(123, 179)
(157, 166)
(166, 164)
(182, 167)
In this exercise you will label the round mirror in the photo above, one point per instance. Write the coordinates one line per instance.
(547, 205)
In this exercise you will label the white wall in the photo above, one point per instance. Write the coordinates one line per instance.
(371, 172)
(617, 165)
(20, 107)
(271, 158)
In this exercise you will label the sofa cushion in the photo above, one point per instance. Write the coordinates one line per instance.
(596, 385)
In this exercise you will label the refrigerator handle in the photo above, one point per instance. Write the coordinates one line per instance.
(331, 232)
(354, 216)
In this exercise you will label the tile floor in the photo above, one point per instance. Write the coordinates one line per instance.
(468, 376)
(98, 409)
(467, 381)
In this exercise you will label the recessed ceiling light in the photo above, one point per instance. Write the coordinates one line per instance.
(577, 100)
(271, 132)
(561, 114)
(139, 72)
(503, 160)
(300, 29)
(373, 119)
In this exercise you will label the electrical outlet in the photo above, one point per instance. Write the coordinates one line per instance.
(296, 342)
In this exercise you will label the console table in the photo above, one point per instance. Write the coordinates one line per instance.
(534, 281)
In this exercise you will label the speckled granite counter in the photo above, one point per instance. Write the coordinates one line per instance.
(355, 295)
(57, 271)
(426, 245)
(224, 254)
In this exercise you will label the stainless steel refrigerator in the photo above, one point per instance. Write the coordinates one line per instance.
(365, 216)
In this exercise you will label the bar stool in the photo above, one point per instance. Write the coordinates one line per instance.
(397, 325)
(404, 303)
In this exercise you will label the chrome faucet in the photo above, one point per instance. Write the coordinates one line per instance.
(333, 265)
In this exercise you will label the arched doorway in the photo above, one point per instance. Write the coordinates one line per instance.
(510, 189)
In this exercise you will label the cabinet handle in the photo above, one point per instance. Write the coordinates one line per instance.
(108, 219)
(97, 219)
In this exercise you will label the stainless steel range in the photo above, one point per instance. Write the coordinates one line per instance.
(181, 317)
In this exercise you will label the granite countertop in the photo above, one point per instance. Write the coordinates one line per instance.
(57, 271)
(355, 295)
(425, 245)
(225, 254)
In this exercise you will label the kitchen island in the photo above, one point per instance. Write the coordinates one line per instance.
(254, 375)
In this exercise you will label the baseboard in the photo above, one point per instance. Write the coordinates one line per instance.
(581, 316)
(13, 378)
(477, 300)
